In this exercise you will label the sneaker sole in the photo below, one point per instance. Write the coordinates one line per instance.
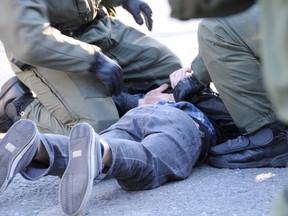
(16, 143)
(77, 181)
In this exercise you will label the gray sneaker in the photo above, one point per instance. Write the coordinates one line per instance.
(85, 162)
(17, 150)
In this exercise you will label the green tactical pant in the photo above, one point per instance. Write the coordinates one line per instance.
(274, 23)
(64, 99)
(280, 204)
(229, 55)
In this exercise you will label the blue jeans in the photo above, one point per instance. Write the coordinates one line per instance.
(150, 145)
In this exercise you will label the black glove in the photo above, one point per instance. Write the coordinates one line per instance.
(187, 88)
(125, 101)
(109, 72)
(138, 7)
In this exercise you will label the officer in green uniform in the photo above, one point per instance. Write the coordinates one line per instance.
(273, 23)
(75, 56)
(230, 57)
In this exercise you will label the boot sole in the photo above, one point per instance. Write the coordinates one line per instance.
(16, 148)
(279, 161)
(77, 181)
(7, 85)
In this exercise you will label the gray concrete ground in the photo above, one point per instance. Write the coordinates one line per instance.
(207, 192)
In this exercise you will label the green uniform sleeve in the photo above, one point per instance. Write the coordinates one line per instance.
(187, 9)
(27, 34)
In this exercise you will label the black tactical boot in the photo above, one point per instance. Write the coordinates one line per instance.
(14, 98)
(267, 147)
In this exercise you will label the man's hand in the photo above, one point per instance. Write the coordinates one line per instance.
(109, 72)
(138, 8)
(177, 75)
(156, 95)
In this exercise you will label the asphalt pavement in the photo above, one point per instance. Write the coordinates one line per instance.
(207, 192)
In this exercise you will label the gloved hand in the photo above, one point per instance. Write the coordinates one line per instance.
(186, 88)
(138, 7)
(109, 72)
